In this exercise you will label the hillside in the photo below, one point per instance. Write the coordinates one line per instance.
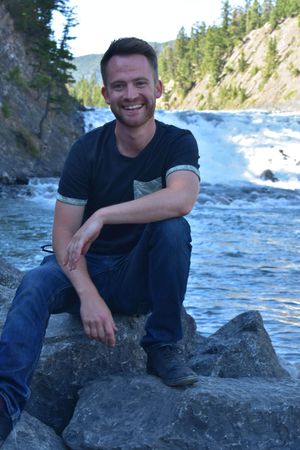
(35, 132)
(87, 66)
(246, 86)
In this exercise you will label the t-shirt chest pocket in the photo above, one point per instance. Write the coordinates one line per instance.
(141, 188)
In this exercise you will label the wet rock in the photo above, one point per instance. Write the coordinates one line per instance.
(268, 175)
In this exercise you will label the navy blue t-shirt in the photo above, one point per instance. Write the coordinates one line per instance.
(96, 174)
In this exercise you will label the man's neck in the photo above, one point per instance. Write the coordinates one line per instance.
(131, 141)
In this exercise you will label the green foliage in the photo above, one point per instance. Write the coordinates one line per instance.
(229, 69)
(53, 59)
(88, 92)
(254, 70)
(204, 53)
(15, 76)
(52, 62)
(183, 64)
(5, 109)
(294, 71)
(25, 140)
(214, 54)
(232, 93)
(242, 63)
(253, 16)
(290, 94)
(283, 9)
(271, 60)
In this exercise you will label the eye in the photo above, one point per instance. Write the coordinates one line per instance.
(118, 86)
(141, 83)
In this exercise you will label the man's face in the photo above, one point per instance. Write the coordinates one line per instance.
(131, 89)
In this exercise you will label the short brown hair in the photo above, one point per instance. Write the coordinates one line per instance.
(129, 46)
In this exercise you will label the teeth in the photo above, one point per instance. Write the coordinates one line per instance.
(133, 107)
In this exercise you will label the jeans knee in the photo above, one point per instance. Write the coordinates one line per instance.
(39, 285)
(173, 232)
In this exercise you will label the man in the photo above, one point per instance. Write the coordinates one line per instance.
(120, 241)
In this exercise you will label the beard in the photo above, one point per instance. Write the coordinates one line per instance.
(136, 118)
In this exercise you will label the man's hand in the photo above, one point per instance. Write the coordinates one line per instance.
(97, 320)
(82, 240)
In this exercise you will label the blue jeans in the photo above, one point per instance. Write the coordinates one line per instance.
(151, 277)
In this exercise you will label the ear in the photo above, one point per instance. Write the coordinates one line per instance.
(105, 94)
(158, 89)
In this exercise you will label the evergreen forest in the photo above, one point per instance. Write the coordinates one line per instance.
(205, 49)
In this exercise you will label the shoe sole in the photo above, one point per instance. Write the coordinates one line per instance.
(184, 381)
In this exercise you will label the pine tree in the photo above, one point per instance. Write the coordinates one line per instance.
(271, 60)
(267, 7)
(196, 47)
(242, 63)
(183, 63)
(253, 20)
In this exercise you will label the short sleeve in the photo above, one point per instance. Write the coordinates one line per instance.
(74, 182)
(183, 154)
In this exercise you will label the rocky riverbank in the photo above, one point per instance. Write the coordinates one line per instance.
(88, 396)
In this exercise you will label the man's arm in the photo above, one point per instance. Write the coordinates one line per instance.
(96, 316)
(176, 200)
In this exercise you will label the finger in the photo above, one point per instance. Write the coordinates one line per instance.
(110, 336)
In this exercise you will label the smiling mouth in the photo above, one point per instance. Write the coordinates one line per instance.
(133, 107)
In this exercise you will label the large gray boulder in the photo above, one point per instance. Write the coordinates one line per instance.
(69, 360)
(244, 398)
(31, 434)
(241, 348)
(140, 413)
(9, 276)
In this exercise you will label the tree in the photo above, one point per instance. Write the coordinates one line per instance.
(196, 47)
(271, 60)
(214, 54)
(242, 63)
(253, 20)
(226, 15)
(267, 7)
(183, 64)
(53, 61)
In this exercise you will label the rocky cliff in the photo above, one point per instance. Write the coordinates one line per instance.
(245, 82)
(34, 139)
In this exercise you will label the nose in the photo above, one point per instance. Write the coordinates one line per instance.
(131, 91)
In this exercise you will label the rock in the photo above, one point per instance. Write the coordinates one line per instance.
(34, 140)
(241, 348)
(69, 360)
(9, 276)
(246, 400)
(31, 434)
(6, 294)
(139, 413)
(268, 175)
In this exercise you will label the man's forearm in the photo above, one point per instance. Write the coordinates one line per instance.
(164, 204)
(79, 278)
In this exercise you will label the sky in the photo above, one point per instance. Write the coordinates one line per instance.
(100, 22)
